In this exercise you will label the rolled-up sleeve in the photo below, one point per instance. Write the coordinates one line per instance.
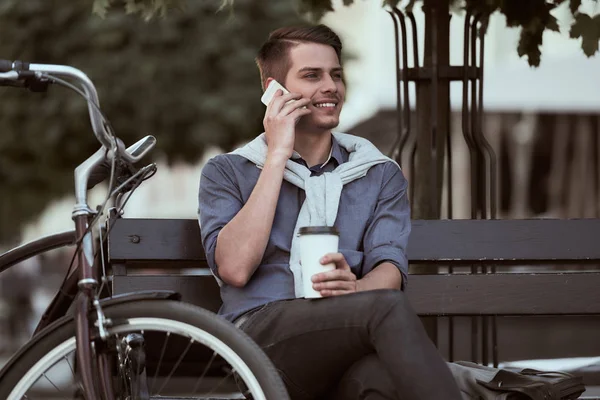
(219, 200)
(386, 238)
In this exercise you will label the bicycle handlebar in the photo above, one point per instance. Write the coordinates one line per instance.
(7, 65)
(96, 118)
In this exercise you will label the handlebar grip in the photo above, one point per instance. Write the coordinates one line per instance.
(5, 66)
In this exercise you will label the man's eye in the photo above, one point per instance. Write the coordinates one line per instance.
(311, 75)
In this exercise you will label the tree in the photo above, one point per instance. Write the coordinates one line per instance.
(188, 78)
(533, 16)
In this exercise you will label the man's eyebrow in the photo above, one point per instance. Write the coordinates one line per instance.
(316, 69)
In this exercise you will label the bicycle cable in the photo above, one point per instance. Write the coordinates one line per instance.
(110, 130)
(151, 168)
(140, 176)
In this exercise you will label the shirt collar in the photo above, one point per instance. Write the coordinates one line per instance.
(336, 152)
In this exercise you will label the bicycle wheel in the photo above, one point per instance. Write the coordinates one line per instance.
(186, 353)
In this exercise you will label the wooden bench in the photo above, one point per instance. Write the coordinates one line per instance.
(544, 269)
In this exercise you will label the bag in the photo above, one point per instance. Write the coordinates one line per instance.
(482, 383)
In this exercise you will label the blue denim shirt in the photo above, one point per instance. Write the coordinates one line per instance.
(373, 221)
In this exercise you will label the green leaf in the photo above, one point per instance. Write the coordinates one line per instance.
(133, 7)
(100, 7)
(148, 9)
(581, 25)
(588, 29)
(590, 41)
(394, 3)
(530, 41)
(552, 24)
(189, 79)
(226, 4)
(315, 9)
(589, 46)
(574, 6)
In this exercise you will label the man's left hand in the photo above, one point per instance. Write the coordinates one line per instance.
(337, 282)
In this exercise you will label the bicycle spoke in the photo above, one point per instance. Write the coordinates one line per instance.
(221, 382)
(70, 367)
(162, 353)
(78, 383)
(176, 365)
(204, 372)
(52, 383)
(56, 374)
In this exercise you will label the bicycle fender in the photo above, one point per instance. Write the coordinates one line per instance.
(140, 295)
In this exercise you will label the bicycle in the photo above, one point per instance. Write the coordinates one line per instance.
(108, 343)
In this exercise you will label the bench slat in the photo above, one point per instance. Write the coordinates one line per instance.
(155, 239)
(451, 241)
(507, 241)
(505, 294)
(482, 294)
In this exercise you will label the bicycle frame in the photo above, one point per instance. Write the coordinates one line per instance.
(85, 277)
(62, 301)
(87, 285)
(83, 217)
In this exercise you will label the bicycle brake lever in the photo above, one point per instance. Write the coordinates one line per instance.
(24, 79)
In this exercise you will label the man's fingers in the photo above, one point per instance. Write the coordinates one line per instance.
(279, 100)
(331, 293)
(295, 105)
(335, 275)
(300, 112)
(335, 285)
(337, 258)
(337, 282)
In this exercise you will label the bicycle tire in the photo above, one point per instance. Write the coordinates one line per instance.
(37, 351)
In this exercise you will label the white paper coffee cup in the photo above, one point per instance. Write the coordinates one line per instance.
(315, 242)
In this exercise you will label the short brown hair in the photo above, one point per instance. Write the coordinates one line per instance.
(273, 57)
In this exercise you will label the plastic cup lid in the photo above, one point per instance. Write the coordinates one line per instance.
(318, 230)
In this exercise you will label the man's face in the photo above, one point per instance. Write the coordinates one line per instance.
(316, 73)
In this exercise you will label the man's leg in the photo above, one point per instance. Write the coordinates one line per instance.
(314, 342)
(367, 379)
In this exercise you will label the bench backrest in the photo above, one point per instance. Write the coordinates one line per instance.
(139, 248)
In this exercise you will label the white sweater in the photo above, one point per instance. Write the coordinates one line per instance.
(322, 192)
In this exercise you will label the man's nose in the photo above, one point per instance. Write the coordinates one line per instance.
(329, 85)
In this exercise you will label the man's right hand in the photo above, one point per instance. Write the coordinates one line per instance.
(280, 122)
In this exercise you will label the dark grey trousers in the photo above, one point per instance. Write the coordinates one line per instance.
(368, 345)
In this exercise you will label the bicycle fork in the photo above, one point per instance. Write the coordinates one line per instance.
(87, 359)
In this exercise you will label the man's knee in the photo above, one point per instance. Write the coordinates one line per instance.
(386, 299)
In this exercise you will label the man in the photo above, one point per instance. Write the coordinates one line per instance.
(362, 341)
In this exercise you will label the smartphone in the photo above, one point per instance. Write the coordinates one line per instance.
(270, 92)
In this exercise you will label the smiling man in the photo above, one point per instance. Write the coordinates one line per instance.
(362, 340)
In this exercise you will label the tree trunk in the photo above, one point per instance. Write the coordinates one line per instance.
(433, 99)
(433, 107)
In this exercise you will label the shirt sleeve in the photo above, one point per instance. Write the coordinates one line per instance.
(386, 237)
(219, 200)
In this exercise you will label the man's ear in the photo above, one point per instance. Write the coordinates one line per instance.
(267, 82)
